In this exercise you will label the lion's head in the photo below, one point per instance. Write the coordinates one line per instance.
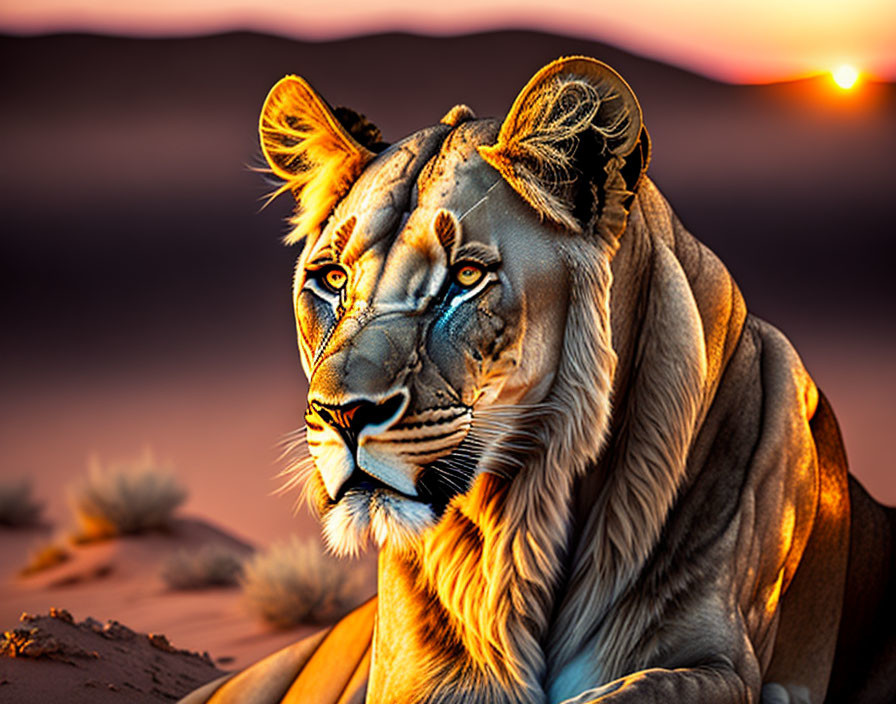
(452, 291)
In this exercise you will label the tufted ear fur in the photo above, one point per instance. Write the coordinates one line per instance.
(574, 145)
(307, 147)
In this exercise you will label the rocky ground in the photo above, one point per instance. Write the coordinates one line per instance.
(55, 658)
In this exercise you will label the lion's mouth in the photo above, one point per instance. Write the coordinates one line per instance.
(367, 509)
(362, 482)
(393, 486)
(438, 483)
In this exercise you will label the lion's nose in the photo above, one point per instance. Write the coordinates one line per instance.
(353, 417)
(361, 423)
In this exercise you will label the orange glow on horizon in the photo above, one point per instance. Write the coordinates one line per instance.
(755, 42)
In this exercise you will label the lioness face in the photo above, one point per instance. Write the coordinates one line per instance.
(433, 289)
(433, 299)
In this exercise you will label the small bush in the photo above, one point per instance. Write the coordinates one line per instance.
(125, 498)
(295, 582)
(209, 566)
(17, 508)
(43, 558)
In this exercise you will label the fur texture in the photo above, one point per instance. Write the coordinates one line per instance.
(313, 154)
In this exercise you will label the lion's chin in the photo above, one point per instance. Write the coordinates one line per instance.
(382, 516)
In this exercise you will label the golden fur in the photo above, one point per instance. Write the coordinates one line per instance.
(315, 157)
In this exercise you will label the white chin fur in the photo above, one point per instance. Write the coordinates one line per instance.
(382, 516)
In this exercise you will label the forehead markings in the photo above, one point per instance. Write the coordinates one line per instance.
(439, 244)
(434, 241)
(329, 249)
(447, 229)
(374, 191)
(342, 235)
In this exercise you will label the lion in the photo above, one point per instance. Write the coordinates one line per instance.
(590, 474)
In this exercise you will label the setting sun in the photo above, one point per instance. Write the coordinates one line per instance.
(845, 76)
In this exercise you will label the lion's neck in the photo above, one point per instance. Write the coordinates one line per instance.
(475, 602)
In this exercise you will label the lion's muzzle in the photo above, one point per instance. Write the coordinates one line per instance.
(348, 439)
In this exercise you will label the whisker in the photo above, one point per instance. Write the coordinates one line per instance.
(510, 407)
(295, 466)
(509, 435)
(298, 469)
(293, 445)
(521, 413)
(293, 435)
(296, 474)
(510, 425)
(452, 482)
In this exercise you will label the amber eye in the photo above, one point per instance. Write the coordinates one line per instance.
(468, 274)
(335, 278)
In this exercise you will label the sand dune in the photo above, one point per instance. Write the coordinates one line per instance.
(120, 579)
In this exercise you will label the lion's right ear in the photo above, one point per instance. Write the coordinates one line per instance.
(307, 147)
(573, 145)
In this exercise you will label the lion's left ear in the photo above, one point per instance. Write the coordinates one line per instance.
(306, 146)
(574, 145)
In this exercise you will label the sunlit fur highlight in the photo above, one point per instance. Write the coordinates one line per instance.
(535, 156)
(447, 229)
(310, 151)
(343, 235)
(458, 115)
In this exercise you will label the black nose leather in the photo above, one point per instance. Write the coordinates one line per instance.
(351, 418)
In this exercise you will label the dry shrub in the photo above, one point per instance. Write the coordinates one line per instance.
(17, 508)
(45, 557)
(295, 582)
(209, 566)
(125, 498)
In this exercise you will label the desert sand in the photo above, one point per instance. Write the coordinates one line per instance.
(54, 658)
(119, 580)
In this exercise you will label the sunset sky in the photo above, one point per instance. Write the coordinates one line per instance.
(146, 300)
(756, 41)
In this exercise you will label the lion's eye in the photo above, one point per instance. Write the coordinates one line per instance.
(334, 278)
(468, 274)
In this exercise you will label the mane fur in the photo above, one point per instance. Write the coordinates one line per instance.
(646, 471)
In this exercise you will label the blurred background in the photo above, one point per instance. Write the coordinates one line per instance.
(144, 294)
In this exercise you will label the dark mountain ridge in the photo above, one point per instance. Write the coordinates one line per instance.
(130, 215)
